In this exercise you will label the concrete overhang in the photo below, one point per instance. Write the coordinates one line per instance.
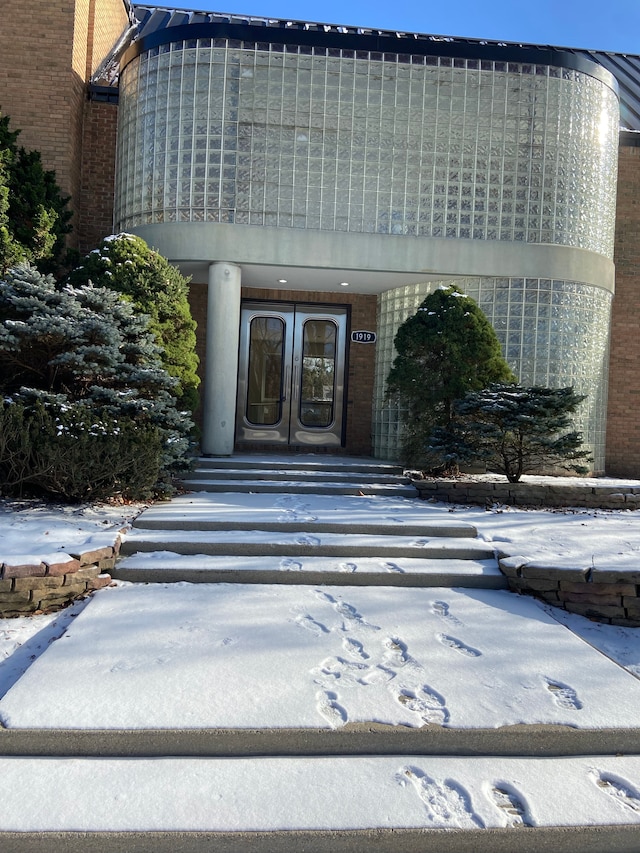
(371, 263)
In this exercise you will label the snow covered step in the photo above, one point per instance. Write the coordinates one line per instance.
(300, 476)
(168, 567)
(304, 463)
(297, 486)
(346, 513)
(400, 803)
(260, 543)
(316, 513)
(223, 669)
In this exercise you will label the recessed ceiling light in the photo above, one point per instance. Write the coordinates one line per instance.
(282, 281)
(344, 284)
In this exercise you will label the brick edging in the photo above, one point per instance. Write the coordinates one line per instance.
(46, 586)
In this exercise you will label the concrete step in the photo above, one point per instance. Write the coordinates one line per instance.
(201, 472)
(298, 486)
(168, 567)
(256, 543)
(304, 463)
(392, 803)
(313, 514)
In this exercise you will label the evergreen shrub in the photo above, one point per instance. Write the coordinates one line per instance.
(125, 263)
(85, 374)
(34, 214)
(515, 430)
(448, 347)
(75, 453)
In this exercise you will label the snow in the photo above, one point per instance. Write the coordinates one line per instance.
(353, 655)
(31, 531)
(269, 794)
(323, 658)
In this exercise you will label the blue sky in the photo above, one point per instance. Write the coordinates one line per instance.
(597, 24)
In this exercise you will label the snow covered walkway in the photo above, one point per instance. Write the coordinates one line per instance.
(310, 703)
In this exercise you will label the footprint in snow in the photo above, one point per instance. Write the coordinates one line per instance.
(397, 653)
(564, 696)
(458, 646)
(620, 790)
(344, 609)
(285, 499)
(429, 706)
(347, 567)
(392, 567)
(441, 609)
(289, 565)
(310, 624)
(507, 799)
(447, 803)
(354, 648)
(307, 540)
(328, 708)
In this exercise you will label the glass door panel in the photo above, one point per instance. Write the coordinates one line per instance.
(265, 371)
(317, 385)
(291, 374)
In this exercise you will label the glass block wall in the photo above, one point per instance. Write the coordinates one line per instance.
(553, 333)
(341, 140)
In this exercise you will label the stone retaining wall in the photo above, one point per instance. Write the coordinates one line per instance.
(605, 595)
(47, 586)
(586, 493)
(611, 596)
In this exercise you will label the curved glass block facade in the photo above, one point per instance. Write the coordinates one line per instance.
(343, 140)
(553, 333)
(457, 157)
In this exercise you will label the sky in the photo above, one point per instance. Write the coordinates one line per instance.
(591, 24)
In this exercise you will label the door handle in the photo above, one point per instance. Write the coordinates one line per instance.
(294, 389)
(285, 387)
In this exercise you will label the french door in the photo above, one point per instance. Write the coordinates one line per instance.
(291, 374)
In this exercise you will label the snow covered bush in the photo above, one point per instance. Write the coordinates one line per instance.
(126, 264)
(448, 347)
(85, 374)
(515, 431)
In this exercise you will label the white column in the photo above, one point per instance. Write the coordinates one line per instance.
(221, 368)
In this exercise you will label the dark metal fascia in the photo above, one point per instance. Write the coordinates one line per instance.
(377, 43)
(105, 94)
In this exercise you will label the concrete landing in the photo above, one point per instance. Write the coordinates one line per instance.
(300, 670)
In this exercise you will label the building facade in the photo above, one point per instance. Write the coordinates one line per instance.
(316, 182)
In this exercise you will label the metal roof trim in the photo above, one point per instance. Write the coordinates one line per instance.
(376, 41)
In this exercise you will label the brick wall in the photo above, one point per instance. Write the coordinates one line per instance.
(98, 174)
(360, 356)
(45, 50)
(109, 20)
(623, 416)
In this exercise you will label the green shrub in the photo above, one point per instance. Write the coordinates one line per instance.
(84, 357)
(515, 431)
(126, 264)
(448, 347)
(34, 214)
(76, 454)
